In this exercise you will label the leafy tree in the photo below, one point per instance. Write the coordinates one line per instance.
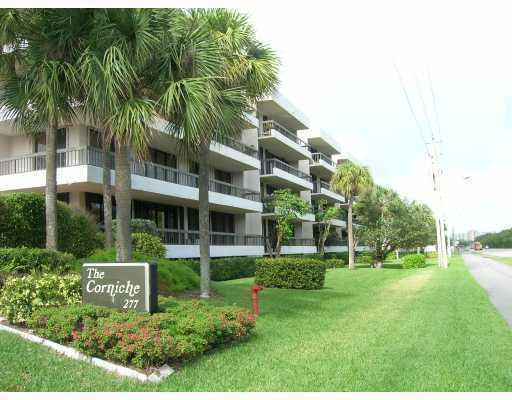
(39, 82)
(496, 240)
(324, 216)
(288, 208)
(389, 222)
(422, 230)
(351, 181)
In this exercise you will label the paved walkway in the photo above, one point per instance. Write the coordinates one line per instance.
(496, 278)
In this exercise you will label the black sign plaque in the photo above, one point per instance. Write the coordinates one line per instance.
(126, 286)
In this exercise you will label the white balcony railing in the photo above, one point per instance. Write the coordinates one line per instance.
(93, 156)
(268, 126)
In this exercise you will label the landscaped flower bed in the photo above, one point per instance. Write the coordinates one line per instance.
(182, 330)
(49, 304)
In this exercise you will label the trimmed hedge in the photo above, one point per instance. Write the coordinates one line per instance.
(183, 330)
(22, 224)
(334, 263)
(414, 261)
(24, 260)
(149, 245)
(290, 273)
(342, 256)
(21, 296)
(174, 276)
(225, 269)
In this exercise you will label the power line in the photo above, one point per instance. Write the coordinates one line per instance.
(435, 106)
(404, 90)
(427, 117)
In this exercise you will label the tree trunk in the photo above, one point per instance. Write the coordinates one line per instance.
(323, 238)
(124, 203)
(204, 219)
(350, 236)
(51, 187)
(278, 245)
(107, 194)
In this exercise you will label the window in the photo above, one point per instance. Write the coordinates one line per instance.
(222, 222)
(222, 176)
(219, 222)
(193, 219)
(164, 216)
(162, 158)
(96, 140)
(193, 167)
(63, 197)
(94, 204)
(40, 141)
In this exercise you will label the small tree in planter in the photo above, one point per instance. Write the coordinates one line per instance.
(288, 208)
(324, 215)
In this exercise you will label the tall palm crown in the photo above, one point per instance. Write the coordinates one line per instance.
(351, 179)
(37, 64)
(39, 82)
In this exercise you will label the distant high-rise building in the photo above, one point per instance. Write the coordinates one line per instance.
(471, 235)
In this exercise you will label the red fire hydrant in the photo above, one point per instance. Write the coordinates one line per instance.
(255, 289)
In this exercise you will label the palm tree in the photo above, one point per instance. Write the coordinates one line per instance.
(248, 70)
(113, 68)
(39, 81)
(351, 180)
(141, 64)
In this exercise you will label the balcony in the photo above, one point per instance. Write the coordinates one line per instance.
(232, 155)
(322, 166)
(335, 245)
(283, 143)
(82, 168)
(227, 154)
(269, 213)
(320, 141)
(185, 244)
(280, 174)
(322, 190)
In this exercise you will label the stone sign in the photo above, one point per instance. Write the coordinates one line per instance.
(126, 286)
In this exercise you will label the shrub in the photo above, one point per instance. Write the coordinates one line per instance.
(26, 260)
(139, 225)
(149, 245)
(22, 217)
(414, 261)
(342, 256)
(224, 269)
(174, 276)
(61, 324)
(290, 273)
(334, 263)
(21, 296)
(185, 329)
(364, 258)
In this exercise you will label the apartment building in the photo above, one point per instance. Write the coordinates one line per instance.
(276, 149)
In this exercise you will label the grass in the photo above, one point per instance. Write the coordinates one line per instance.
(368, 330)
(503, 260)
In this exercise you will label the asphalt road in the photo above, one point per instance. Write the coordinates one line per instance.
(496, 279)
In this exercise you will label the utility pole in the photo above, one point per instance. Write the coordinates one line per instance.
(442, 255)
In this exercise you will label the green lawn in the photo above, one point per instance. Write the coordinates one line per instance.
(503, 260)
(368, 330)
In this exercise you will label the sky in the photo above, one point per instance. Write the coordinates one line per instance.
(338, 67)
